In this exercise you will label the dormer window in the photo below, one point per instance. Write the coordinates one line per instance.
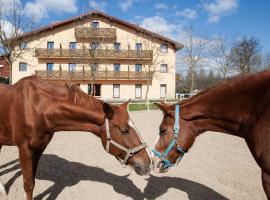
(164, 48)
(95, 24)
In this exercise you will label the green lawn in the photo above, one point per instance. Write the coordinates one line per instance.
(135, 107)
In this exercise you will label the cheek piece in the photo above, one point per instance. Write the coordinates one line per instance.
(164, 156)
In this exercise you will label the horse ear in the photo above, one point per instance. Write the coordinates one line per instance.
(124, 105)
(162, 106)
(108, 110)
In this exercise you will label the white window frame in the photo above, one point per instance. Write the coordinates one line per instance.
(24, 69)
(71, 67)
(161, 92)
(163, 66)
(138, 86)
(116, 94)
(95, 22)
(163, 50)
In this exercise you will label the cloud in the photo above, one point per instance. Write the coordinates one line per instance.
(220, 8)
(98, 5)
(160, 6)
(7, 27)
(7, 6)
(41, 8)
(125, 5)
(160, 25)
(187, 13)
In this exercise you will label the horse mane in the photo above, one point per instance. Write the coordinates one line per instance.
(80, 98)
(229, 83)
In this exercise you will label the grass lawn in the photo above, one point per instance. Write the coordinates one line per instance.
(136, 107)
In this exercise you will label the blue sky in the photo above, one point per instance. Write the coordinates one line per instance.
(229, 17)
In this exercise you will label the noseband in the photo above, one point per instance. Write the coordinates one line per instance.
(129, 152)
(164, 156)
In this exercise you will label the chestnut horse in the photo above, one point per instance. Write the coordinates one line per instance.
(33, 109)
(239, 107)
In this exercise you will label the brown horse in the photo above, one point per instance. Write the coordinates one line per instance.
(239, 107)
(33, 109)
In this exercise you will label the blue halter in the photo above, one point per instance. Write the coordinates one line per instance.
(163, 156)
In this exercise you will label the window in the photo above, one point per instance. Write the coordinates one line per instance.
(94, 67)
(73, 45)
(95, 24)
(50, 66)
(163, 68)
(138, 91)
(138, 67)
(23, 45)
(71, 67)
(116, 90)
(163, 90)
(97, 89)
(163, 48)
(95, 45)
(138, 46)
(117, 46)
(50, 45)
(117, 67)
(22, 66)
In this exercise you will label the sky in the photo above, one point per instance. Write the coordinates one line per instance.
(228, 17)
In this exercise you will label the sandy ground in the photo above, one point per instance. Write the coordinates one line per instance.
(75, 166)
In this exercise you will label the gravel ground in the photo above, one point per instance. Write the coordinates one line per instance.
(75, 166)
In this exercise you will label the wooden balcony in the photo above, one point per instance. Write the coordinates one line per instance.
(95, 33)
(86, 75)
(97, 54)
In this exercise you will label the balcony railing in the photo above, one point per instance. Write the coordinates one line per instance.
(98, 54)
(86, 75)
(95, 33)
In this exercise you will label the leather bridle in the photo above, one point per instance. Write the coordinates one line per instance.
(130, 152)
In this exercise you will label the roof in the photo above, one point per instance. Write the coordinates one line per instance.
(54, 25)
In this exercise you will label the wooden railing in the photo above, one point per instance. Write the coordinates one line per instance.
(98, 54)
(95, 33)
(85, 75)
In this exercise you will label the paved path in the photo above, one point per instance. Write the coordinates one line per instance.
(75, 166)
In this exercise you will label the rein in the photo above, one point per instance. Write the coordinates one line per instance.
(129, 152)
(164, 156)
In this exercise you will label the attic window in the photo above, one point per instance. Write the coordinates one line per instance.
(95, 24)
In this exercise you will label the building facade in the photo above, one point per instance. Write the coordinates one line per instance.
(117, 58)
(4, 68)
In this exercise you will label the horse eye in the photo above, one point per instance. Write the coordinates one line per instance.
(124, 130)
(163, 131)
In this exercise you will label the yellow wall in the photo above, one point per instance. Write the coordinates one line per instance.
(127, 37)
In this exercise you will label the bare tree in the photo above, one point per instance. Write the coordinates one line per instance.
(92, 54)
(266, 61)
(194, 53)
(244, 55)
(13, 23)
(220, 53)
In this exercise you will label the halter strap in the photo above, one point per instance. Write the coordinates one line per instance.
(129, 152)
(176, 128)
